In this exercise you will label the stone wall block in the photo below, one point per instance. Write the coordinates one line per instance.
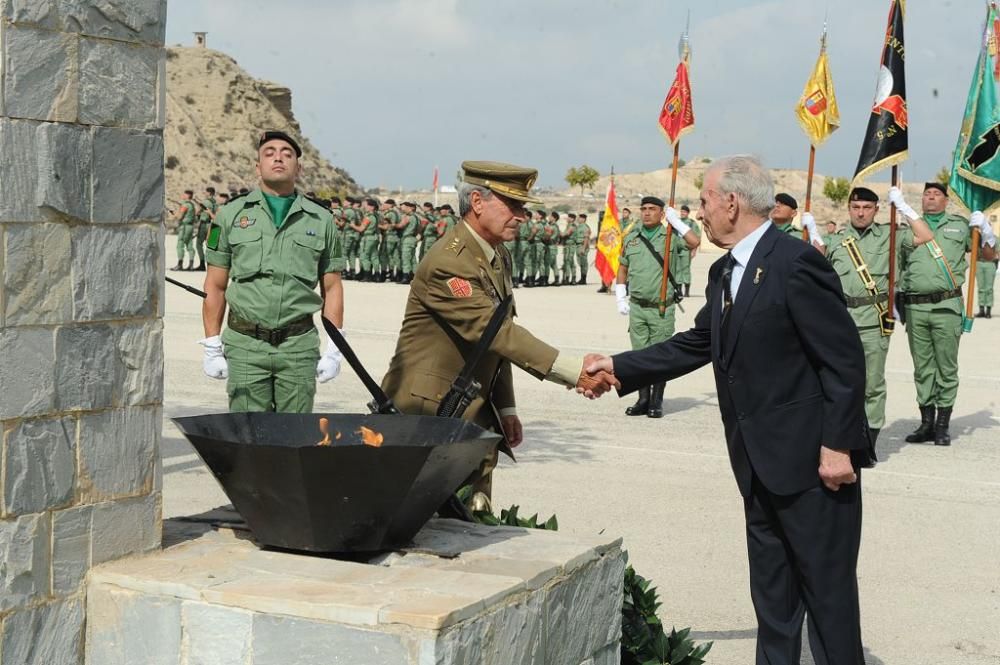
(140, 348)
(129, 20)
(64, 168)
(281, 640)
(24, 561)
(41, 74)
(48, 635)
(36, 275)
(511, 635)
(70, 549)
(117, 449)
(127, 628)
(27, 372)
(115, 272)
(86, 364)
(19, 173)
(39, 465)
(119, 83)
(125, 527)
(128, 176)
(215, 635)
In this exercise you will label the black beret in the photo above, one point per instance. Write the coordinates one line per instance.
(428, 204)
(372, 202)
(273, 134)
(336, 199)
(685, 208)
(571, 215)
(391, 202)
(863, 194)
(447, 206)
(936, 185)
(653, 200)
(787, 200)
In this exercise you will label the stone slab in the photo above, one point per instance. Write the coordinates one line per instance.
(24, 560)
(128, 628)
(36, 275)
(47, 635)
(117, 449)
(119, 83)
(128, 176)
(114, 272)
(64, 170)
(129, 20)
(39, 465)
(121, 528)
(27, 372)
(40, 75)
(70, 548)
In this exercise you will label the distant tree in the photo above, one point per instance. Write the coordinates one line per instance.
(699, 181)
(944, 176)
(582, 176)
(836, 189)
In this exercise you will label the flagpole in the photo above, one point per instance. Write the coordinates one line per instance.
(892, 249)
(670, 231)
(973, 260)
(809, 187)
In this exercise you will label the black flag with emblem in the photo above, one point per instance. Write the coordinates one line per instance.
(886, 141)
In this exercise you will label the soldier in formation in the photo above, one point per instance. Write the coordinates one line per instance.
(185, 218)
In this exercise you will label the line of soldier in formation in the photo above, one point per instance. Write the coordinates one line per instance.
(194, 217)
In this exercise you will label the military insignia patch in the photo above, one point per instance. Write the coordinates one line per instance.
(213, 237)
(245, 222)
(460, 288)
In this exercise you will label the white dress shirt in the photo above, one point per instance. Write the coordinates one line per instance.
(741, 253)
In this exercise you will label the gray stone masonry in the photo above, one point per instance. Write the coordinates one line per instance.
(81, 269)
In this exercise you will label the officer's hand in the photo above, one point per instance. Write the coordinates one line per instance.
(328, 366)
(621, 298)
(835, 468)
(986, 235)
(512, 430)
(214, 362)
(896, 199)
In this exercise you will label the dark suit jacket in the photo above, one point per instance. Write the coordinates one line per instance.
(794, 371)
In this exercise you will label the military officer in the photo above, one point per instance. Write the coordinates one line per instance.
(452, 297)
(205, 217)
(637, 290)
(860, 255)
(408, 227)
(785, 209)
(932, 278)
(986, 274)
(570, 249)
(267, 252)
(185, 217)
(582, 241)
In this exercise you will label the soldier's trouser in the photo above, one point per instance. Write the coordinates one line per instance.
(530, 250)
(933, 335)
(876, 349)
(369, 253)
(986, 273)
(581, 259)
(185, 241)
(382, 256)
(646, 327)
(200, 239)
(408, 250)
(683, 270)
(351, 244)
(553, 260)
(274, 381)
(569, 261)
(518, 257)
(393, 254)
(425, 246)
(544, 260)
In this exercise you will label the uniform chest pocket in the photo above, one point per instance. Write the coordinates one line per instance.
(878, 261)
(303, 257)
(248, 252)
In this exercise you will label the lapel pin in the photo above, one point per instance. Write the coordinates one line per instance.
(756, 277)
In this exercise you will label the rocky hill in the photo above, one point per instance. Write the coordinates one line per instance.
(215, 112)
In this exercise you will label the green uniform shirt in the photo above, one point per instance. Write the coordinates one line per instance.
(873, 243)
(922, 273)
(392, 217)
(209, 206)
(789, 229)
(273, 270)
(645, 272)
(187, 217)
(580, 233)
(551, 232)
(351, 216)
(412, 226)
(371, 219)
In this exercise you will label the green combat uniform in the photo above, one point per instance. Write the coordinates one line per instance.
(533, 252)
(352, 239)
(408, 244)
(789, 229)
(429, 235)
(390, 255)
(581, 240)
(521, 251)
(932, 298)
(549, 233)
(569, 253)
(276, 250)
(208, 208)
(185, 233)
(986, 274)
(369, 243)
(873, 244)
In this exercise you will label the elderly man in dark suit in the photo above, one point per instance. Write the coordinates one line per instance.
(790, 374)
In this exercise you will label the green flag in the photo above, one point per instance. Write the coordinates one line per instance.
(975, 173)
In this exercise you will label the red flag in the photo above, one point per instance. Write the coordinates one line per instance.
(434, 188)
(609, 239)
(677, 114)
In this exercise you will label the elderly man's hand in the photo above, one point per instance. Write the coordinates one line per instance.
(512, 430)
(595, 382)
(835, 468)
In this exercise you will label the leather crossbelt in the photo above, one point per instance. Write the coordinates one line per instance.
(273, 336)
(930, 298)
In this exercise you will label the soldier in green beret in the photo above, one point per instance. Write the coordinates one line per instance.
(860, 256)
(205, 217)
(637, 291)
(268, 250)
(185, 217)
(932, 279)
(391, 256)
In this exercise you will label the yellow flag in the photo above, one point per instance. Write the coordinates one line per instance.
(817, 110)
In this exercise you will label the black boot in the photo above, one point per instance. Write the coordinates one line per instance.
(201, 266)
(582, 280)
(982, 313)
(926, 430)
(656, 401)
(603, 289)
(687, 290)
(941, 435)
(989, 312)
(641, 407)
(529, 283)
(179, 266)
(190, 265)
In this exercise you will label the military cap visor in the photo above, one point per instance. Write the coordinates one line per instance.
(508, 180)
(936, 185)
(275, 135)
(654, 200)
(788, 200)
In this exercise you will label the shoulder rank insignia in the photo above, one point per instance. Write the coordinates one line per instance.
(453, 245)
(460, 288)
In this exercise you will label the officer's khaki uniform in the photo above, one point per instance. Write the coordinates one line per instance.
(273, 277)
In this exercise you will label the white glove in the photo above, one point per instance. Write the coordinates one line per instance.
(809, 224)
(986, 235)
(214, 363)
(675, 221)
(896, 199)
(328, 366)
(621, 297)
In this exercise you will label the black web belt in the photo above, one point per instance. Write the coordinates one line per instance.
(273, 336)
(930, 298)
(866, 301)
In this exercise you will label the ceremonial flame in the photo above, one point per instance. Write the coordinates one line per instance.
(370, 437)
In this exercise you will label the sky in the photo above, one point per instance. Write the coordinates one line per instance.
(389, 89)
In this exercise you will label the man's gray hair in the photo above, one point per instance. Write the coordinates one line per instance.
(746, 177)
(465, 190)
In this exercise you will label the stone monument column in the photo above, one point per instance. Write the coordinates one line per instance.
(81, 306)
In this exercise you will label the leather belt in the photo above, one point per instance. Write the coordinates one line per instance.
(865, 301)
(930, 298)
(645, 303)
(273, 336)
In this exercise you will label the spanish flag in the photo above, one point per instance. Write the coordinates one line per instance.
(609, 239)
(677, 113)
(817, 109)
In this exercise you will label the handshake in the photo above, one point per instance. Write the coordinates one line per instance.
(597, 376)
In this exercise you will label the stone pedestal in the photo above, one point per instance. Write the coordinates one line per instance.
(463, 594)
